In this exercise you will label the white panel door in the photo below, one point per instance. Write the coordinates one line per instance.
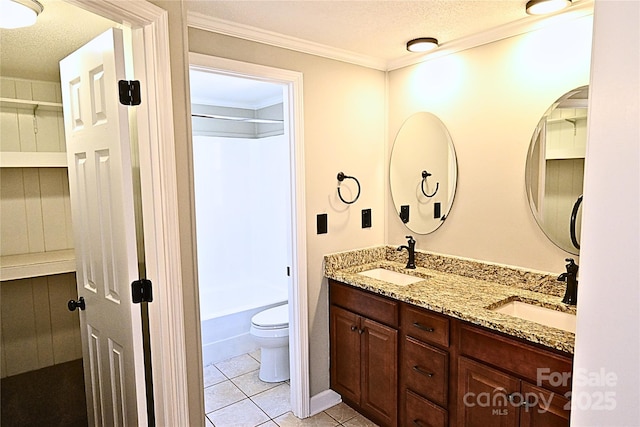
(101, 192)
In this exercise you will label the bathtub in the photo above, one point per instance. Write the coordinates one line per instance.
(225, 318)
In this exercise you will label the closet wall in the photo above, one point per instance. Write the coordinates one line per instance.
(37, 257)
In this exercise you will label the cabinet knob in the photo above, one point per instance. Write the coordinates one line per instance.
(354, 328)
(522, 402)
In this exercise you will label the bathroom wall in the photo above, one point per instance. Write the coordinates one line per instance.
(343, 131)
(491, 98)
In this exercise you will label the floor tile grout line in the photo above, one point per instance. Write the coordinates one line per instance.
(250, 397)
(231, 404)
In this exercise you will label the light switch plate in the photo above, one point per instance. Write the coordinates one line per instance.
(321, 224)
(366, 218)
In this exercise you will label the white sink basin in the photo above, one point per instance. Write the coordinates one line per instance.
(538, 314)
(394, 277)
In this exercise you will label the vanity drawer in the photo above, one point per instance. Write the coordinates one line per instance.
(421, 412)
(425, 325)
(426, 370)
(365, 303)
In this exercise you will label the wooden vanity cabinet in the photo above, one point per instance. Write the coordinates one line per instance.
(424, 367)
(399, 364)
(364, 351)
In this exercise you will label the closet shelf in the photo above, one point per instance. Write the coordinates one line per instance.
(23, 159)
(30, 105)
(37, 264)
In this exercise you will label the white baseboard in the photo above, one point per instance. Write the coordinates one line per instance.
(323, 400)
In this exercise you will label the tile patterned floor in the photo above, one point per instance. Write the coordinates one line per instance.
(234, 396)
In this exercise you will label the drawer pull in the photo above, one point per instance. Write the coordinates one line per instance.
(418, 423)
(419, 370)
(422, 327)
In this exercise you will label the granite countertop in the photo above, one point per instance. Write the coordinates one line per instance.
(460, 288)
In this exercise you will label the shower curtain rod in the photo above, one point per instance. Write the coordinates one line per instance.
(237, 119)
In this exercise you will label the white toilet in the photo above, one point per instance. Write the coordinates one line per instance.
(270, 329)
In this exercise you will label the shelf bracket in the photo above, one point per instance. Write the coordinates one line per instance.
(573, 122)
(35, 119)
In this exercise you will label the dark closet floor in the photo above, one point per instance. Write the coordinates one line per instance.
(52, 396)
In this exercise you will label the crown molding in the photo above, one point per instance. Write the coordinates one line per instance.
(522, 26)
(208, 23)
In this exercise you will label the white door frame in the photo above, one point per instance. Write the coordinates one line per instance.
(298, 303)
(160, 202)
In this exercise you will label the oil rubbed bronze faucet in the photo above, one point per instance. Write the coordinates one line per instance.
(571, 277)
(411, 248)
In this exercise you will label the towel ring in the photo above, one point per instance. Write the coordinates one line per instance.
(572, 222)
(342, 177)
(425, 175)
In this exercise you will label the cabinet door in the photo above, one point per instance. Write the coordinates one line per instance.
(484, 396)
(345, 353)
(379, 371)
(544, 408)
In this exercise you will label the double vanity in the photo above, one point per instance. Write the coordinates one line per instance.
(452, 342)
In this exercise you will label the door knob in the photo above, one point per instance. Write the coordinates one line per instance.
(72, 305)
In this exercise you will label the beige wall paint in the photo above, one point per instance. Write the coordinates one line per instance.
(491, 98)
(344, 128)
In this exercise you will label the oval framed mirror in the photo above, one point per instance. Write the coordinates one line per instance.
(555, 169)
(423, 173)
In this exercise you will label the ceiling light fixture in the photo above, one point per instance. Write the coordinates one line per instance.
(543, 7)
(423, 44)
(19, 13)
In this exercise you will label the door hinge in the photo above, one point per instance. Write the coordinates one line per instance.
(141, 291)
(129, 92)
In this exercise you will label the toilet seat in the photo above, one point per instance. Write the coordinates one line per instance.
(273, 318)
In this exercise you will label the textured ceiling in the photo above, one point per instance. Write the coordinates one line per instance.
(228, 91)
(34, 52)
(377, 29)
